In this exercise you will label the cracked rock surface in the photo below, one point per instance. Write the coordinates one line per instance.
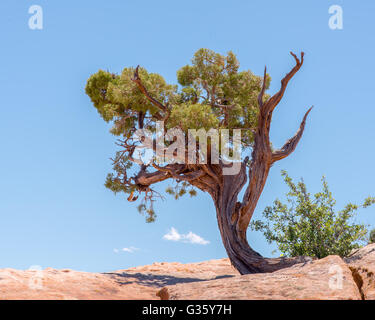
(351, 278)
(328, 278)
(362, 264)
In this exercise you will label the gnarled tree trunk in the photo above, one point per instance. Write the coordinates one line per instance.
(241, 255)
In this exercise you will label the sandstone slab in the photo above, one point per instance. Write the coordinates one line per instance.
(328, 278)
(350, 278)
(132, 284)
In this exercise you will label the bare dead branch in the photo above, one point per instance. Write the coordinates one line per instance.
(262, 155)
(271, 104)
(131, 197)
(291, 144)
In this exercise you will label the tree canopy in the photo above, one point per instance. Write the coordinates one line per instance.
(211, 93)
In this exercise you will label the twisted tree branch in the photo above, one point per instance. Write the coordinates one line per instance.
(291, 144)
(271, 103)
(261, 93)
(136, 79)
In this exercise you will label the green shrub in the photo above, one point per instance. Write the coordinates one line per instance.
(372, 236)
(310, 226)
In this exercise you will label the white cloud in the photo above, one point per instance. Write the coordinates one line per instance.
(174, 235)
(130, 250)
(194, 238)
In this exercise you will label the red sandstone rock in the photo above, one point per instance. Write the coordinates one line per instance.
(328, 278)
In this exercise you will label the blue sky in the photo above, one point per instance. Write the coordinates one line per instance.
(54, 209)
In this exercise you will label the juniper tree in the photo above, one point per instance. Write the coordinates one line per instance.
(212, 93)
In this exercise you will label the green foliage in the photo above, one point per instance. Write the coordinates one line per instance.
(118, 99)
(309, 225)
(372, 236)
(148, 211)
(113, 181)
(211, 93)
(193, 116)
(226, 96)
(180, 189)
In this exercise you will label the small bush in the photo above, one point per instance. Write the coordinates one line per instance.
(310, 226)
(372, 236)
